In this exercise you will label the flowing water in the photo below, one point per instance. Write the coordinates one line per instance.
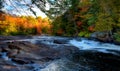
(90, 52)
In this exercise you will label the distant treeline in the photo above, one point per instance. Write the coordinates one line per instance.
(24, 25)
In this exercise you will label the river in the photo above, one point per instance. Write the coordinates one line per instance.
(92, 56)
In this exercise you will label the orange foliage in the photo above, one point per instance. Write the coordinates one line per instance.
(79, 23)
(91, 28)
(60, 32)
(25, 23)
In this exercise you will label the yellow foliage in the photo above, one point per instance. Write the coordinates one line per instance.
(24, 24)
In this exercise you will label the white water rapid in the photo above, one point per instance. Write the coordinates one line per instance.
(65, 64)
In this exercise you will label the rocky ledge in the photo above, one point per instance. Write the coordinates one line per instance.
(104, 37)
(21, 55)
(55, 56)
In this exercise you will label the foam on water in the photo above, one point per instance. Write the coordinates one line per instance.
(83, 44)
(64, 65)
(94, 45)
(4, 56)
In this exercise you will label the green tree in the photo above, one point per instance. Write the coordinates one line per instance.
(104, 23)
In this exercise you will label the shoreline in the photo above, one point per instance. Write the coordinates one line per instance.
(18, 37)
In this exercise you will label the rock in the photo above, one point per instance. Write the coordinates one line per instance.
(21, 61)
(0, 49)
(66, 51)
(22, 46)
(13, 52)
(97, 60)
(60, 41)
(10, 66)
(65, 65)
(25, 53)
(101, 36)
(3, 38)
(3, 47)
(116, 42)
(31, 52)
(86, 61)
(98, 34)
(7, 66)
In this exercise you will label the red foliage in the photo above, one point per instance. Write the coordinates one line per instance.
(60, 32)
(79, 23)
(91, 28)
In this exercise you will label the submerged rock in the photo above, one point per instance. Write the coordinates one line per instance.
(60, 41)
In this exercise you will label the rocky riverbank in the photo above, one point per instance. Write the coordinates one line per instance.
(17, 55)
(104, 37)
(31, 53)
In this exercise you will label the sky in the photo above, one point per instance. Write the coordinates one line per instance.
(19, 8)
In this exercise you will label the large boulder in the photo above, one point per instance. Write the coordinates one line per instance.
(102, 36)
(97, 61)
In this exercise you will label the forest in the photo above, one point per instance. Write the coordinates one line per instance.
(73, 18)
(90, 16)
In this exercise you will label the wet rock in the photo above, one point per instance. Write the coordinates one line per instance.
(102, 36)
(13, 52)
(66, 51)
(8, 68)
(5, 62)
(65, 65)
(98, 34)
(3, 38)
(21, 61)
(22, 55)
(3, 47)
(7, 65)
(22, 46)
(29, 52)
(116, 42)
(60, 41)
(27, 55)
(97, 60)
(0, 49)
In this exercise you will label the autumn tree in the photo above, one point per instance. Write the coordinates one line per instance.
(107, 17)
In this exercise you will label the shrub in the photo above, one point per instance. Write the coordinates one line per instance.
(117, 36)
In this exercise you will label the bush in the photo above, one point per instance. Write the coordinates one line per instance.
(117, 36)
(84, 34)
